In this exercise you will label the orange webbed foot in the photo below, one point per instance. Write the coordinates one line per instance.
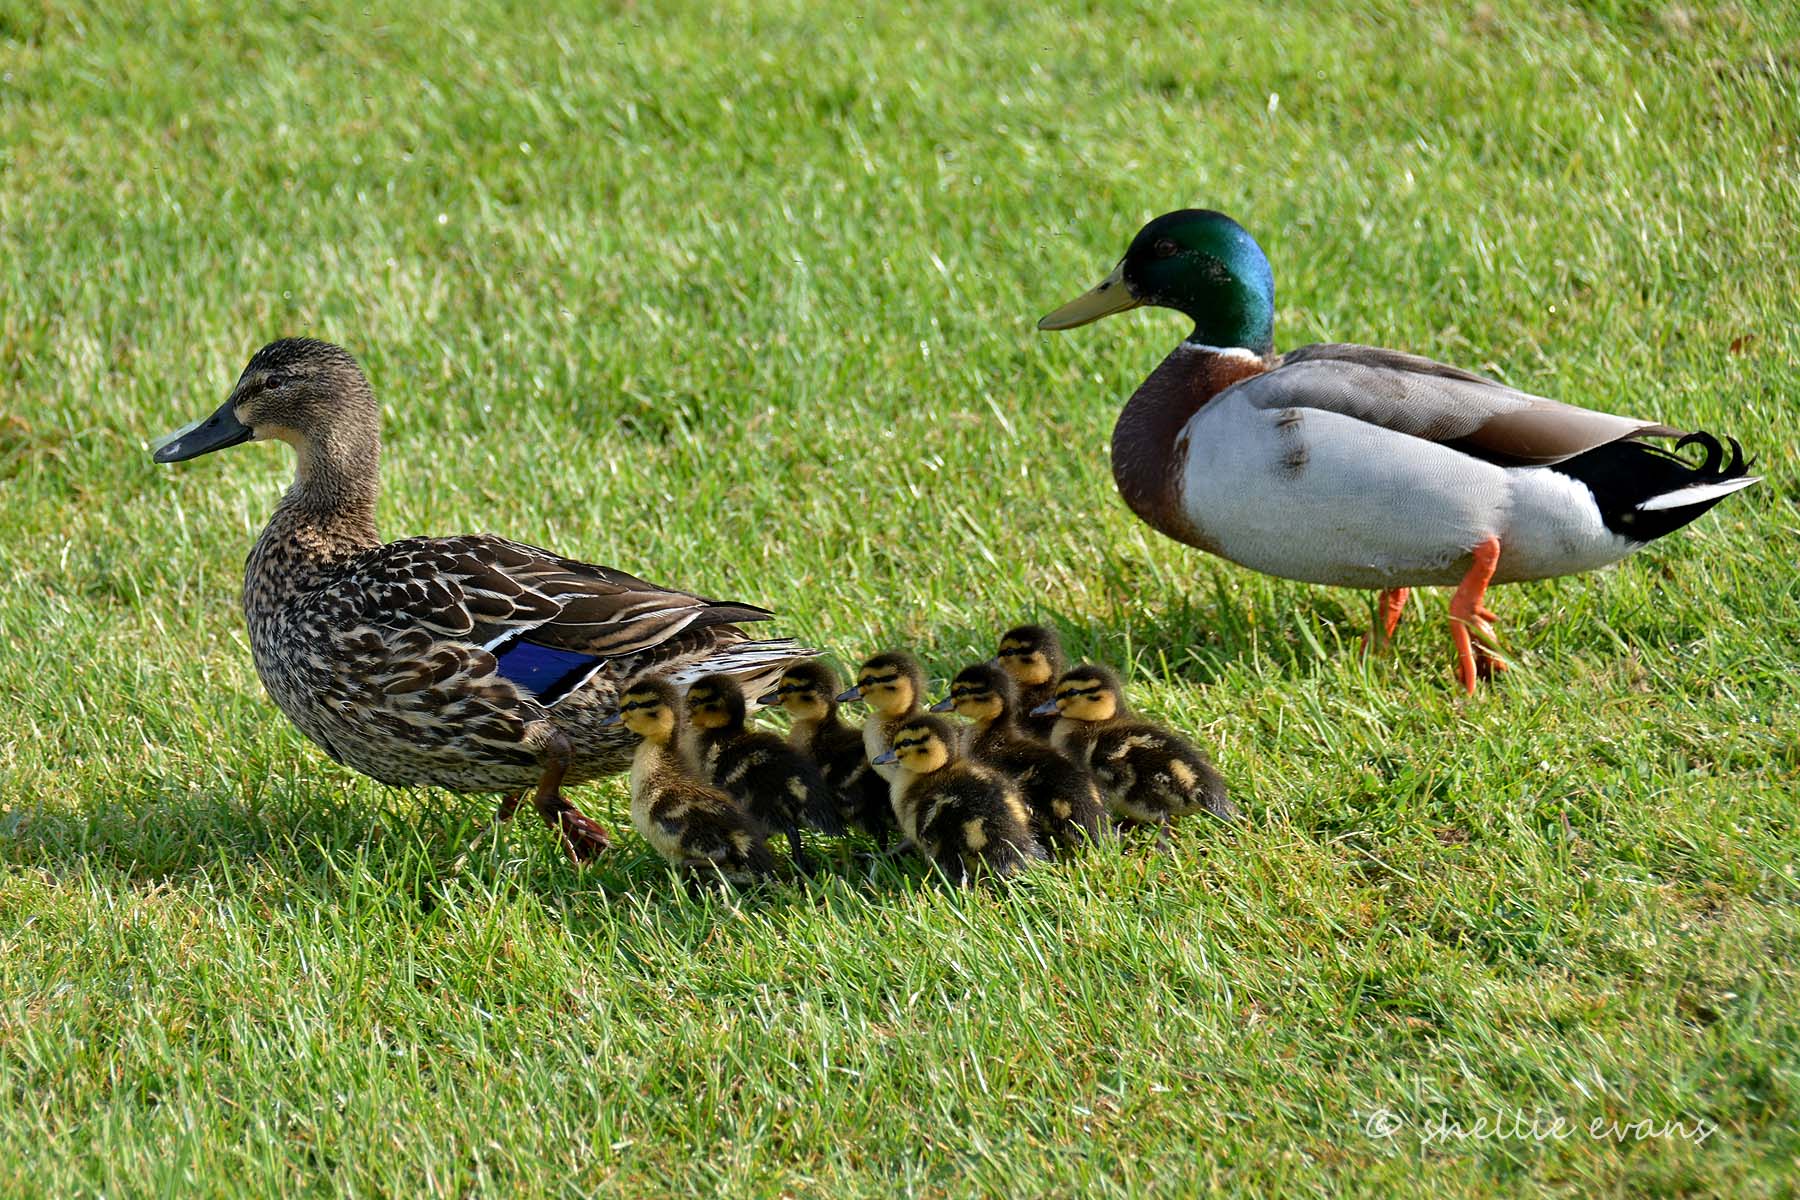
(1471, 621)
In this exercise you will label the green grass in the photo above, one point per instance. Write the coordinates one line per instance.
(742, 299)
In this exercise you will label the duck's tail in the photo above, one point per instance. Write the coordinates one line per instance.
(1644, 492)
(756, 665)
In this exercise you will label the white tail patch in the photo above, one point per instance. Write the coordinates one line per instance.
(757, 666)
(1698, 493)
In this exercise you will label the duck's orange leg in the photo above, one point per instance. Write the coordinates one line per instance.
(1471, 621)
(1388, 607)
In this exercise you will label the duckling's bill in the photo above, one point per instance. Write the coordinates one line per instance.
(216, 432)
(1111, 295)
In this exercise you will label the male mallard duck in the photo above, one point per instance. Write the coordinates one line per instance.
(1033, 656)
(808, 691)
(893, 686)
(1065, 804)
(1149, 774)
(961, 815)
(470, 663)
(1371, 468)
(696, 827)
(777, 784)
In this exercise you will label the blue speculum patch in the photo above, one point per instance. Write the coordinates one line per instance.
(543, 671)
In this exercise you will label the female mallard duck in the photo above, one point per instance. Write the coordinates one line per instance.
(470, 663)
(1371, 468)
(1149, 774)
(777, 784)
(695, 827)
(962, 815)
(808, 691)
(1065, 805)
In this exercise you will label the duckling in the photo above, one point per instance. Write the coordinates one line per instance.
(893, 685)
(1033, 656)
(1066, 809)
(964, 816)
(698, 828)
(809, 694)
(776, 784)
(1149, 774)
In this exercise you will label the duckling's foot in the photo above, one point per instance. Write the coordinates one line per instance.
(1471, 621)
(797, 851)
(508, 806)
(1389, 605)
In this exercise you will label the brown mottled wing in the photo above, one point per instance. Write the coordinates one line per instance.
(1426, 399)
(486, 589)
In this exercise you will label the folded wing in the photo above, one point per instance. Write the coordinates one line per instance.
(1439, 403)
(550, 622)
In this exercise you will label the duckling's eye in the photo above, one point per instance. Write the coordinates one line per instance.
(1165, 248)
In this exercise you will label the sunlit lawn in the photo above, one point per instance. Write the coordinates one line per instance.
(741, 299)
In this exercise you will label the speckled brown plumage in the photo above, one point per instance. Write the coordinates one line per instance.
(470, 663)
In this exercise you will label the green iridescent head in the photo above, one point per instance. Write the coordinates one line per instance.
(1198, 262)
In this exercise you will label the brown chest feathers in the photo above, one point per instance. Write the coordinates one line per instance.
(1149, 444)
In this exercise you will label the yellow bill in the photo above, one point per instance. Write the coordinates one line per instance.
(1109, 297)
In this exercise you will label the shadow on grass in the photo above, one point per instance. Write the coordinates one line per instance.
(310, 828)
(428, 844)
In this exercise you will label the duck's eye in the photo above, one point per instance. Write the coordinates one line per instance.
(1165, 248)
(271, 382)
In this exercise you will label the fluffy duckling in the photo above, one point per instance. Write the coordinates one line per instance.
(1149, 774)
(776, 784)
(961, 815)
(1065, 805)
(1033, 656)
(893, 686)
(698, 828)
(809, 692)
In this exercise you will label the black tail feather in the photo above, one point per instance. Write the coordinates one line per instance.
(1708, 471)
(1626, 474)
